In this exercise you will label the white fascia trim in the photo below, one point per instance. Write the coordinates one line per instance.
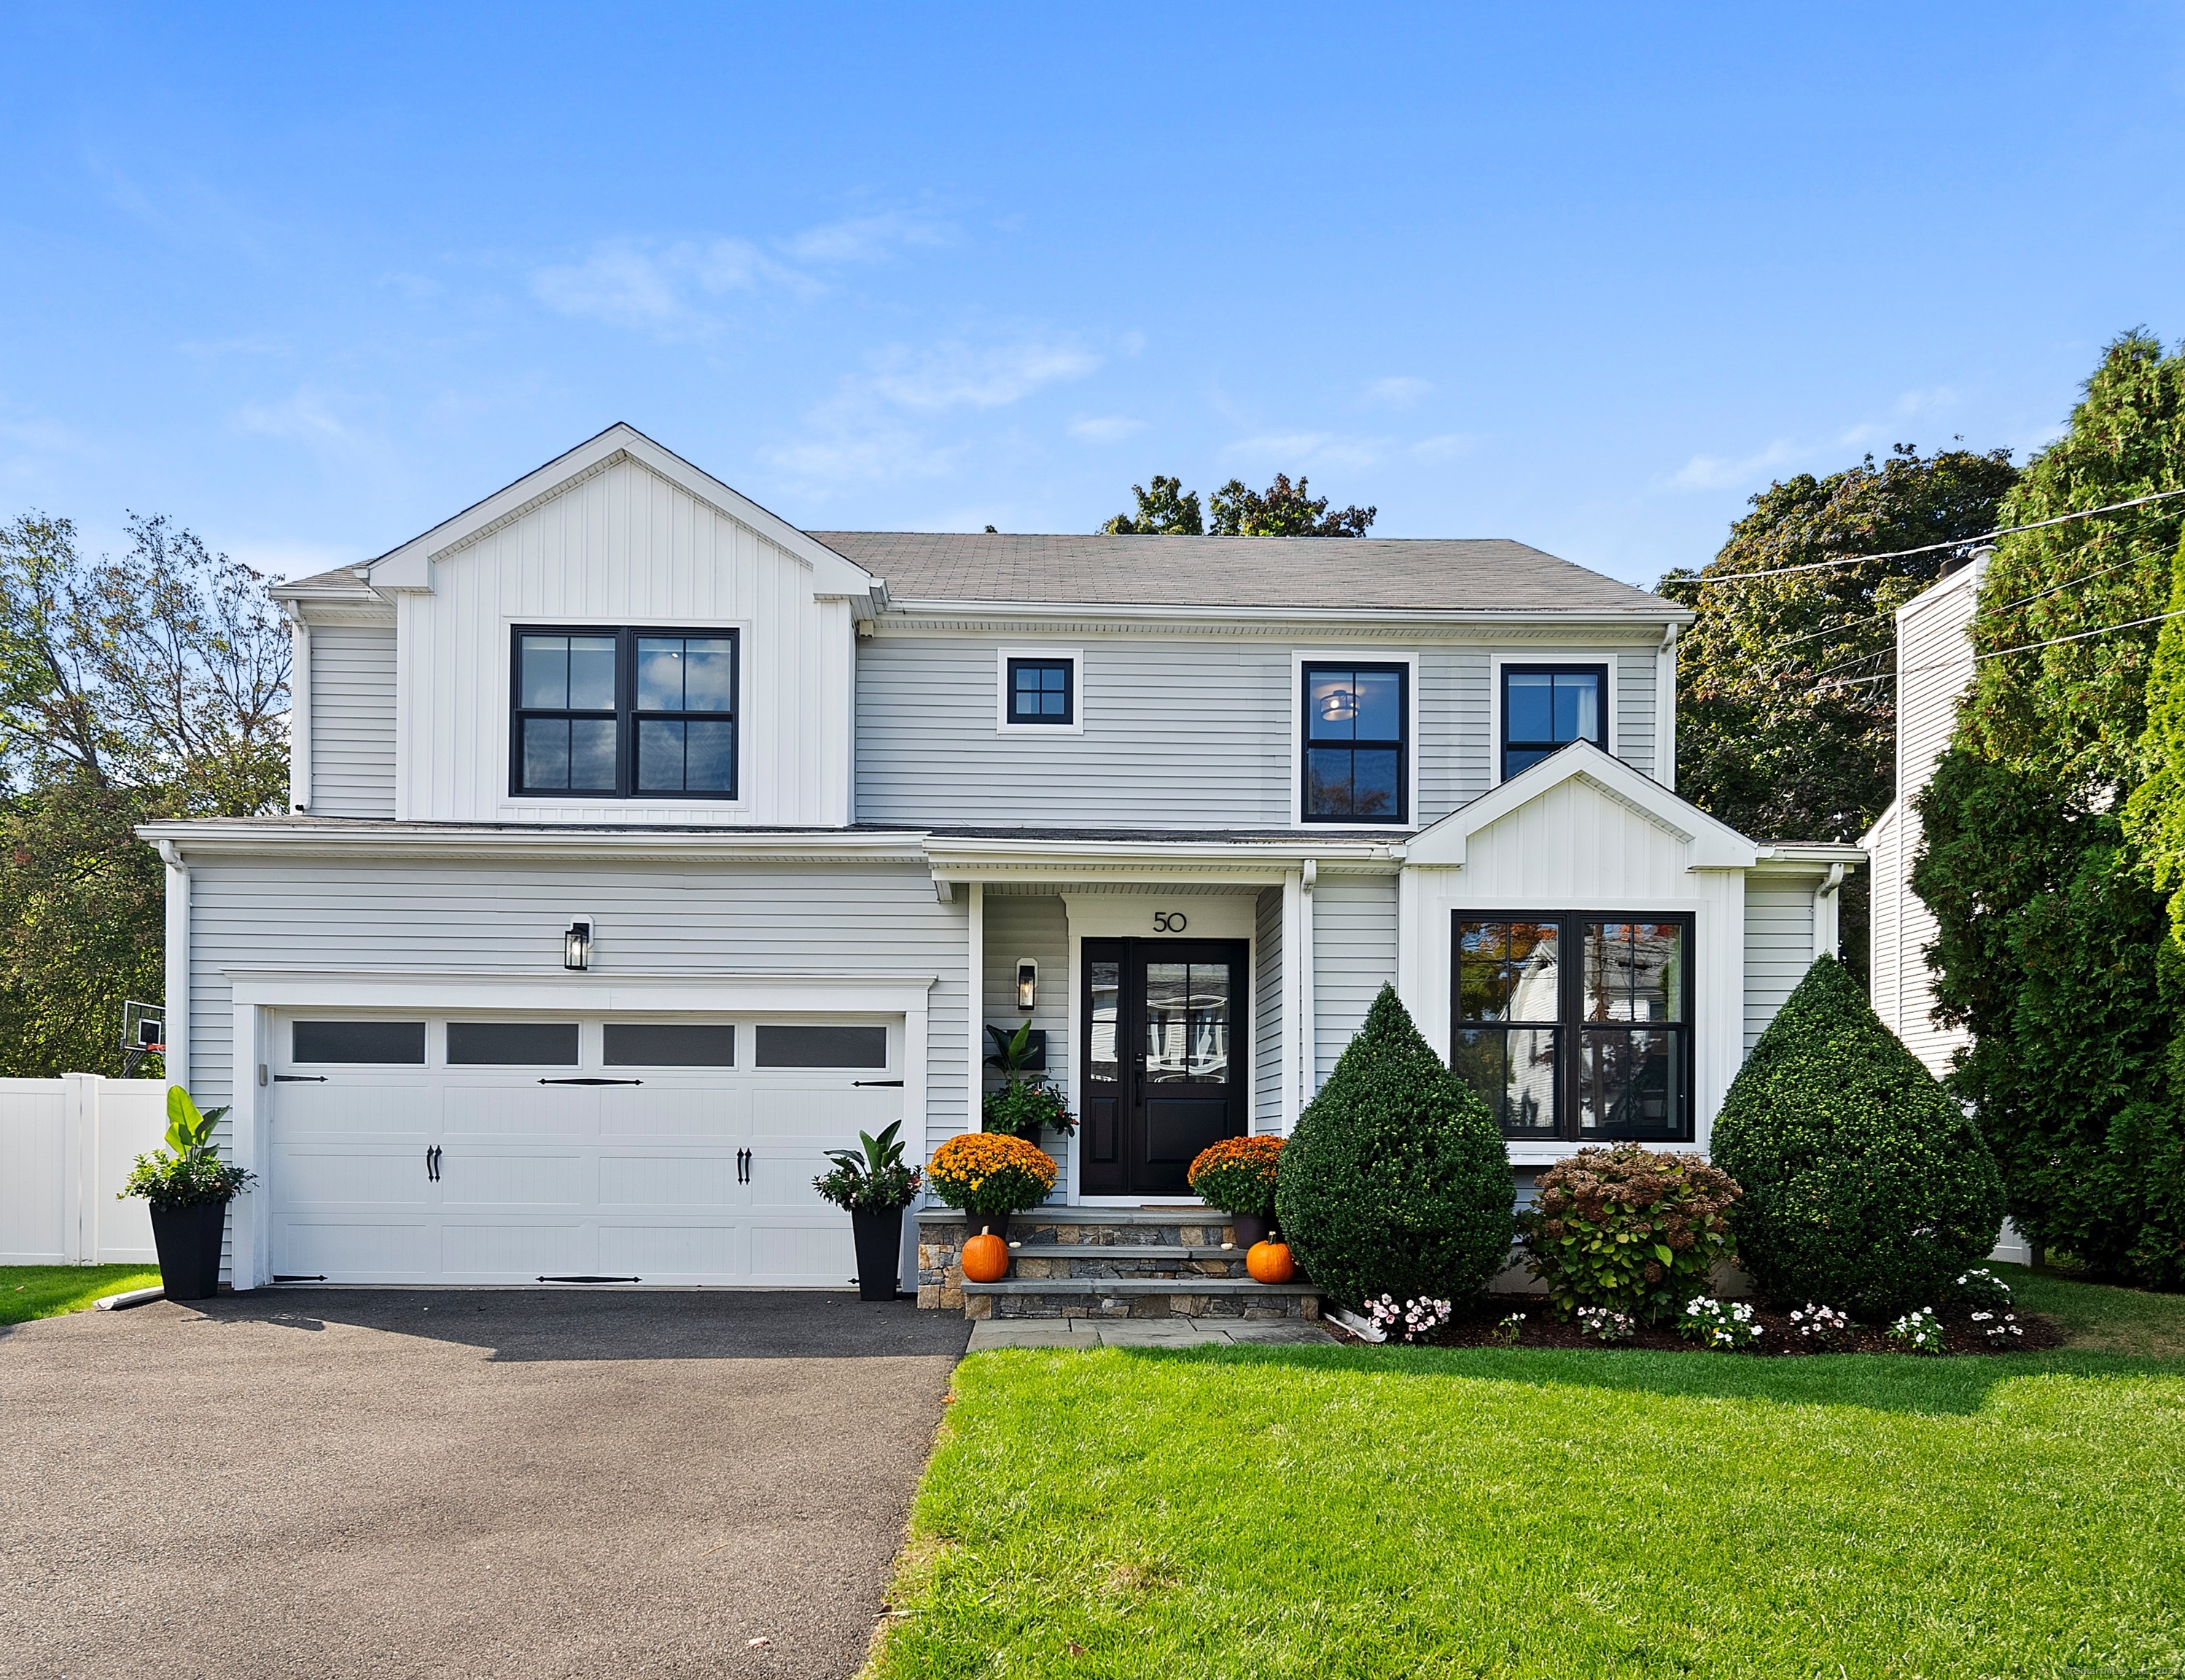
(1806, 858)
(709, 993)
(1076, 656)
(1265, 862)
(409, 565)
(1643, 627)
(1408, 657)
(425, 839)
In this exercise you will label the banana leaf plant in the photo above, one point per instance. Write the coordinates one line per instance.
(193, 1174)
(872, 1181)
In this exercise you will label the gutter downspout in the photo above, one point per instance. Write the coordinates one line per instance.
(1825, 940)
(299, 708)
(1665, 710)
(177, 1000)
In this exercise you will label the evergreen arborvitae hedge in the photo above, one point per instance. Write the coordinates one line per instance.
(1866, 1186)
(1396, 1181)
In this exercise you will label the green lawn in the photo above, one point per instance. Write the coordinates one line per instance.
(42, 1291)
(1344, 1511)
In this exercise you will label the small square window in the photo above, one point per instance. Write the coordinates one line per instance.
(1041, 691)
(1545, 707)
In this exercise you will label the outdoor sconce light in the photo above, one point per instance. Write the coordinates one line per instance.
(577, 945)
(1028, 984)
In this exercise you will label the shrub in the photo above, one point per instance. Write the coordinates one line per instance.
(1023, 1109)
(1396, 1182)
(1414, 1320)
(1865, 1183)
(1627, 1230)
(1919, 1332)
(1982, 1288)
(1606, 1323)
(1823, 1324)
(1236, 1175)
(990, 1172)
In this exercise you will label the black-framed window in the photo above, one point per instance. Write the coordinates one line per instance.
(1043, 691)
(1357, 723)
(1547, 707)
(628, 714)
(1576, 1025)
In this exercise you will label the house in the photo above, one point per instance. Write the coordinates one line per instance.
(644, 846)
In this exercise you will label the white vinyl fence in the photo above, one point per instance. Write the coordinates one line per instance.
(65, 1146)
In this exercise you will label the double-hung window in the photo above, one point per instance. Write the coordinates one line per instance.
(624, 713)
(1356, 743)
(1545, 707)
(1576, 1025)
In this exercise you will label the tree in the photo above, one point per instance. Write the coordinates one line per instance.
(1865, 1185)
(1282, 511)
(1771, 736)
(154, 686)
(1396, 1180)
(1168, 510)
(2041, 825)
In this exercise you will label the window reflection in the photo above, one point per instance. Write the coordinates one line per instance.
(1106, 984)
(1186, 1013)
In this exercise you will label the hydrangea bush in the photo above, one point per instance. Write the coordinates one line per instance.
(1629, 1228)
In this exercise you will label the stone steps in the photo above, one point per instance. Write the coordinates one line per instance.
(1139, 1298)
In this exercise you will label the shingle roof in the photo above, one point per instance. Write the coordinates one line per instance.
(1431, 573)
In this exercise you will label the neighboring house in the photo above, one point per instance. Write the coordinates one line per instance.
(646, 846)
(1934, 667)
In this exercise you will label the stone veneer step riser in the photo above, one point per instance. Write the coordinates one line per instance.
(1075, 1247)
(1078, 1305)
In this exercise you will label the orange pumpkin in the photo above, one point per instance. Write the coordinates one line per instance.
(985, 1258)
(1270, 1262)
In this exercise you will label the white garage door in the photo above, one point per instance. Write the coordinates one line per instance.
(513, 1149)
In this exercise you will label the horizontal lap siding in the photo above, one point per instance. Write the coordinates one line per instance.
(1779, 948)
(1635, 708)
(1353, 949)
(1037, 928)
(872, 920)
(352, 721)
(1455, 757)
(1268, 1013)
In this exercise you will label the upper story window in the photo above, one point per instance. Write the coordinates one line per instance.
(1357, 742)
(1577, 1026)
(624, 713)
(1547, 707)
(1041, 691)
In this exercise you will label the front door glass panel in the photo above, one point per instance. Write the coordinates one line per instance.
(1164, 1065)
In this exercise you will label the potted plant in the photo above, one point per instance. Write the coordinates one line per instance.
(874, 1187)
(1026, 1101)
(1238, 1176)
(991, 1175)
(189, 1191)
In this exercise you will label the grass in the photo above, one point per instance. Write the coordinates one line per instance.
(43, 1291)
(1383, 1512)
(2101, 1318)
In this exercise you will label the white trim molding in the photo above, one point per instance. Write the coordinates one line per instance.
(1565, 654)
(1302, 657)
(1076, 658)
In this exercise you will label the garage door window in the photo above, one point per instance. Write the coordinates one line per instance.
(512, 1044)
(397, 1042)
(645, 1044)
(822, 1046)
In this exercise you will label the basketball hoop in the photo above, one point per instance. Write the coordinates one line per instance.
(144, 1033)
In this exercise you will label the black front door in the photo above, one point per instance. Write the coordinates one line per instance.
(1165, 1045)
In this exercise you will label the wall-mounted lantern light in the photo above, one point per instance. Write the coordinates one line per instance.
(577, 944)
(1028, 984)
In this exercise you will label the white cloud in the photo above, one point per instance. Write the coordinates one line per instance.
(656, 289)
(1715, 472)
(1298, 451)
(956, 375)
(1106, 428)
(1444, 445)
(306, 415)
(1402, 391)
(867, 239)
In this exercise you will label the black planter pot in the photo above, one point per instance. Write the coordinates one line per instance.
(188, 1242)
(999, 1223)
(879, 1237)
(1250, 1228)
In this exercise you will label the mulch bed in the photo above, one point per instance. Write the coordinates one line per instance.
(1475, 1326)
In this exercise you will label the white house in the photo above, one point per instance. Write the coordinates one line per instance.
(644, 846)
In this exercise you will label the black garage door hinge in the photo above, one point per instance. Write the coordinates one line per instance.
(591, 1081)
(855, 1082)
(299, 1277)
(299, 1078)
(591, 1279)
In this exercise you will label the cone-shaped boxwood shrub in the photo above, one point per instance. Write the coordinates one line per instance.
(1395, 1181)
(1866, 1186)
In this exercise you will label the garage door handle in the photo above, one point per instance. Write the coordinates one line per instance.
(591, 1081)
(743, 1166)
(432, 1163)
(856, 1082)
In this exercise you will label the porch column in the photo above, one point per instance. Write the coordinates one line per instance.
(975, 1006)
(1308, 1071)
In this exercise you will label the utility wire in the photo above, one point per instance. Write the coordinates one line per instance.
(2023, 648)
(1930, 548)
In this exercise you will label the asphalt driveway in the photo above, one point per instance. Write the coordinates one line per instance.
(456, 1484)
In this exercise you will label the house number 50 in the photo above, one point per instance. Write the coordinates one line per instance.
(1169, 921)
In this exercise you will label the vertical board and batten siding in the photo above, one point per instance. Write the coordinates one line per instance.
(1934, 652)
(1353, 956)
(353, 720)
(1038, 929)
(1179, 733)
(1267, 1011)
(1779, 947)
(624, 546)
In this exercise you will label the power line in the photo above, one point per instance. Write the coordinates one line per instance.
(2023, 648)
(1702, 579)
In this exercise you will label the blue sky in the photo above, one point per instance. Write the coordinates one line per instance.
(1584, 277)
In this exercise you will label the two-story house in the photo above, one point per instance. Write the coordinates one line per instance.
(644, 846)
